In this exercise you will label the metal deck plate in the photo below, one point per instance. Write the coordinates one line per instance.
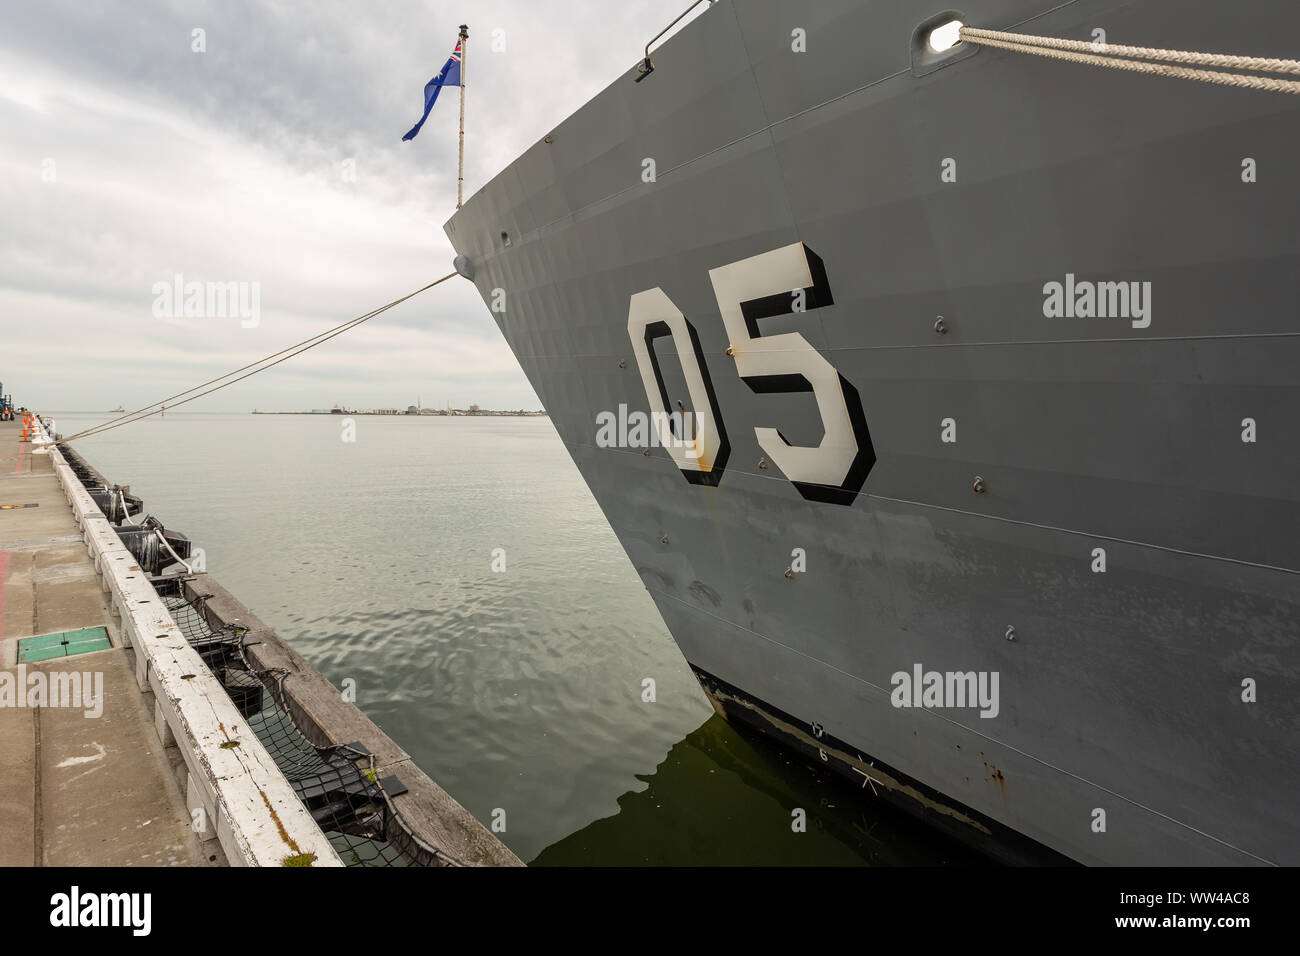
(45, 647)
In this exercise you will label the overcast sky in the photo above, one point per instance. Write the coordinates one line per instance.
(128, 158)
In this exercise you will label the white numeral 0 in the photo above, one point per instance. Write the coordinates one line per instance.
(652, 314)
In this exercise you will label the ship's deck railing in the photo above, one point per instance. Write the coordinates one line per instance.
(647, 65)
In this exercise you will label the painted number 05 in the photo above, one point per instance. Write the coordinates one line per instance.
(773, 283)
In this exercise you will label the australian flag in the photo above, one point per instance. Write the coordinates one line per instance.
(450, 76)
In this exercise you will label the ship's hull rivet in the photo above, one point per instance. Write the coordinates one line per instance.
(622, 364)
(646, 453)
(940, 326)
(664, 539)
(762, 464)
(789, 573)
(731, 350)
(978, 485)
(1011, 633)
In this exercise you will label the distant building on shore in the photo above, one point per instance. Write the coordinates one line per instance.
(419, 410)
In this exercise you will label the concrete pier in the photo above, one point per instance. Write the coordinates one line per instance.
(162, 767)
(75, 790)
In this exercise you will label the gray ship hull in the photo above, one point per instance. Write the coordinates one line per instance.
(1134, 527)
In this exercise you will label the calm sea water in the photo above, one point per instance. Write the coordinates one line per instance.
(518, 690)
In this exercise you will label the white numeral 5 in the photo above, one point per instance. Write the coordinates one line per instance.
(783, 272)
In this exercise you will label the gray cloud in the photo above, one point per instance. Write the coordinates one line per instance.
(226, 166)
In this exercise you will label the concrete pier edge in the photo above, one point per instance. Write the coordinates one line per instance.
(258, 819)
(426, 821)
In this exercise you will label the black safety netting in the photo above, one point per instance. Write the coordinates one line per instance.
(346, 800)
(351, 803)
(79, 468)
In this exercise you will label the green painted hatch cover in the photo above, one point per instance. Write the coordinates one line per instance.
(45, 647)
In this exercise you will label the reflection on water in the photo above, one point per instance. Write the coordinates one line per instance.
(517, 690)
(726, 795)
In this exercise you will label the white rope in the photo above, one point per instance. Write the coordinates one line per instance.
(281, 356)
(126, 512)
(167, 544)
(1113, 56)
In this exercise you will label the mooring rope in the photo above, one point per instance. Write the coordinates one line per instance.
(172, 551)
(298, 349)
(127, 517)
(1138, 59)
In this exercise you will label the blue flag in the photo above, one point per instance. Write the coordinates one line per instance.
(450, 76)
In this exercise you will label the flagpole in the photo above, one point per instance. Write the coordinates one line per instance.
(464, 73)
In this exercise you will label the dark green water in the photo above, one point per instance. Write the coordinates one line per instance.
(517, 689)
